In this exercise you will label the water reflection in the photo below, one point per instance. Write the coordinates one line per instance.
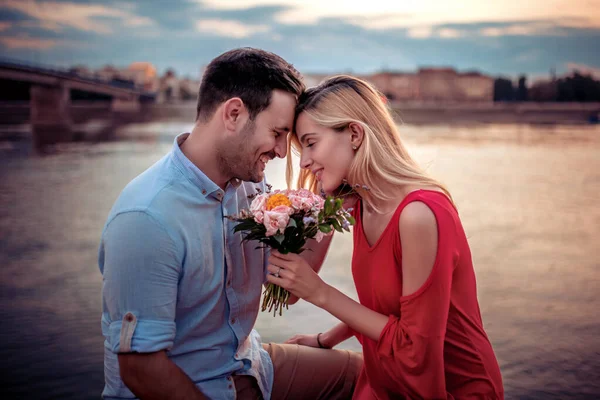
(527, 195)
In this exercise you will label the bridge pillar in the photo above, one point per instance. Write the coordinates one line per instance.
(50, 118)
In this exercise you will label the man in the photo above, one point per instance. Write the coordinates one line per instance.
(181, 293)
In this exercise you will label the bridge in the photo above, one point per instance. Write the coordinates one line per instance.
(50, 97)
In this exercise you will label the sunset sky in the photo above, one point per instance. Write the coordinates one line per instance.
(498, 38)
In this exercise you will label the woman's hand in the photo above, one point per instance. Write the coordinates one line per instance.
(293, 273)
(304, 340)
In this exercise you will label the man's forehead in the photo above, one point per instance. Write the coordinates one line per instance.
(281, 112)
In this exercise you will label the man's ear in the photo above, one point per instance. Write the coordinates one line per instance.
(357, 134)
(232, 112)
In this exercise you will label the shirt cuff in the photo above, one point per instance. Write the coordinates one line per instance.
(140, 336)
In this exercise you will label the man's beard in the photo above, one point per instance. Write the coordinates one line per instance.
(236, 159)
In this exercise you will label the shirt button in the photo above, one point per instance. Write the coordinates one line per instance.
(230, 387)
(233, 320)
(203, 191)
(229, 378)
(228, 283)
(129, 317)
(237, 355)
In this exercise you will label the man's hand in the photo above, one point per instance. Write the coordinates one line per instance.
(154, 376)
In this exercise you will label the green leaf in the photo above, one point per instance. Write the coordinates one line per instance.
(351, 220)
(292, 223)
(279, 238)
(328, 206)
(325, 228)
(337, 226)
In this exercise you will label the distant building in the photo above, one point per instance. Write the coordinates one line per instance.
(188, 89)
(428, 85)
(445, 84)
(168, 88)
(82, 71)
(396, 85)
(474, 86)
(143, 75)
(108, 73)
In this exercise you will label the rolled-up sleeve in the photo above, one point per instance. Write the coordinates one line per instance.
(141, 266)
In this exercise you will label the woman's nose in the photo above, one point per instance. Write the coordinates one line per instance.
(305, 161)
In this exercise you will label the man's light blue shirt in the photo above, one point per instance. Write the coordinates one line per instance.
(176, 278)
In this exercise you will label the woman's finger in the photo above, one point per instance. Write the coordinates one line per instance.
(273, 268)
(292, 340)
(277, 271)
(286, 257)
(277, 281)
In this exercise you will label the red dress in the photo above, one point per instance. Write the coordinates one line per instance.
(434, 345)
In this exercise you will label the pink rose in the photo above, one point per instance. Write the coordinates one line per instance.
(320, 235)
(283, 209)
(319, 201)
(305, 200)
(259, 203)
(276, 220)
(296, 202)
(259, 216)
(258, 206)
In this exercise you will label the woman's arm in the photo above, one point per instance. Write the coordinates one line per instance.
(328, 339)
(418, 230)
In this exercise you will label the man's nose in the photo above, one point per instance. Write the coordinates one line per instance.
(281, 149)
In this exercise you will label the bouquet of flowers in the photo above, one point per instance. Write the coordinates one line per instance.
(284, 220)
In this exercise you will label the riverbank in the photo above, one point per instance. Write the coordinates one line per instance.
(407, 112)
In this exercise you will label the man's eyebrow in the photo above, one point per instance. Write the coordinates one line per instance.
(282, 128)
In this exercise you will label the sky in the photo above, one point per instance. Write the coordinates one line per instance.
(499, 38)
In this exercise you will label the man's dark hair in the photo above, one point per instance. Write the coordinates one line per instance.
(247, 73)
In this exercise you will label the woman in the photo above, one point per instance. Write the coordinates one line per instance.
(418, 319)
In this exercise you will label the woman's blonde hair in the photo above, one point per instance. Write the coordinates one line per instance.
(381, 162)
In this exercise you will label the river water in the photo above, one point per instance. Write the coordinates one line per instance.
(528, 197)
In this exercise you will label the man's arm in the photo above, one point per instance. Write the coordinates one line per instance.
(153, 376)
(141, 265)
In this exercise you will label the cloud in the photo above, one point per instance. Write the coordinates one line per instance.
(229, 28)
(45, 25)
(421, 32)
(83, 17)
(24, 42)
(449, 33)
(5, 25)
(380, 13)
(538, 28)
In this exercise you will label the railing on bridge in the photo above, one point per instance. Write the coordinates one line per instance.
(76, 80)
(50, 96)
(66, 73)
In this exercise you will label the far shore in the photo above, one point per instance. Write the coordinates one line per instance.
(417, 113)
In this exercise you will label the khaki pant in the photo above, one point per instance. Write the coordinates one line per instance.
(306, 373)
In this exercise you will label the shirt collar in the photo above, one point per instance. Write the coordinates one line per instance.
(203, 182)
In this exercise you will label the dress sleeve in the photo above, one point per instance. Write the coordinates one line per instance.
(411, 347)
